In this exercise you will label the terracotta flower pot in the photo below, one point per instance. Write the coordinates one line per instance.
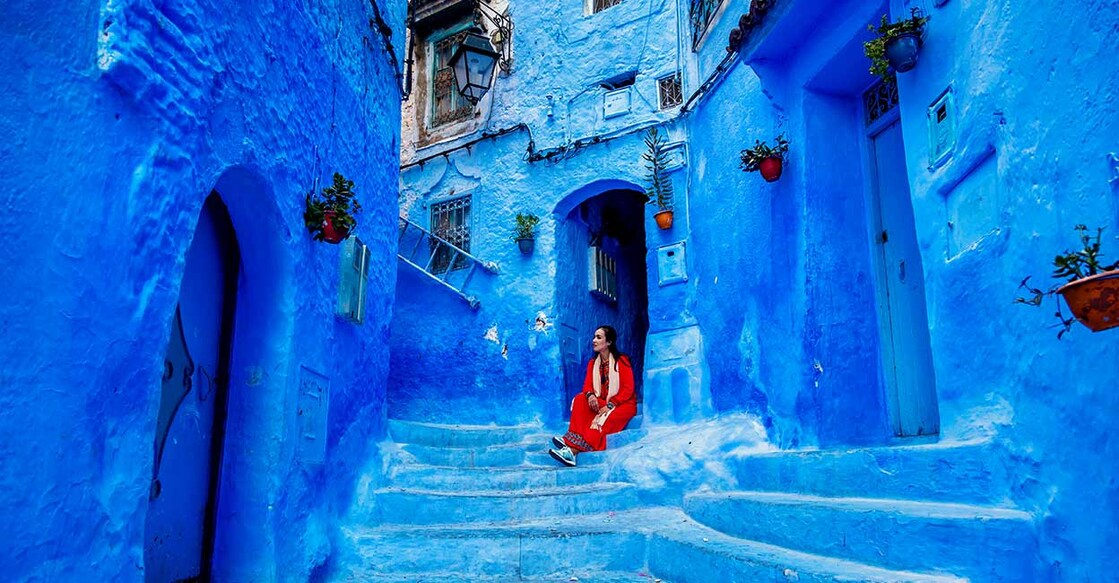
(1094, 300)
(526, 245)
(664, 219)
(330, 233)
(770, 168)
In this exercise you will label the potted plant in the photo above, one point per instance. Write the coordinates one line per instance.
(525, 232)
(897, 44)
(1090, 288)
(659, 191)
(330, 216)
(768, 160)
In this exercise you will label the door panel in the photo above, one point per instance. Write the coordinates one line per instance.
(180, 498)
(907, 356)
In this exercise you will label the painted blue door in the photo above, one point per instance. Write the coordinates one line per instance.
(907, 357)
(191, 411)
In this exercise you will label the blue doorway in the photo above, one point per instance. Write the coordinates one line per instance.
(188, 445)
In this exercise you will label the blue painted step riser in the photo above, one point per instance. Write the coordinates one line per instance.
(981, 548)
(965, 474)
(451, 436)
(468, 457)
(427, 478)
(525, 555)
(407, 508)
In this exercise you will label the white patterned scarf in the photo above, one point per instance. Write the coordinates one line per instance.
(613, 384)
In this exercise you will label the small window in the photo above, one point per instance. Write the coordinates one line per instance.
(600, 5)
(603, 274)
(880, 99)
(447, 104)
(450, 221)
(669, 92)
(702, 12)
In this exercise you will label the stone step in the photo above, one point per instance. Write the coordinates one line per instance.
(581, 577)
(532, 452)
(966, 472)
(981, 542)
(416, 506)
(459, 436)
(649, 543)
(508, 478)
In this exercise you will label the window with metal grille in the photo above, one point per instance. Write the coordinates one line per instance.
(600, 5)
(450, 221)
(447, 104)
(669, 91)
(603, 274)
(702, 12)
(880, 99)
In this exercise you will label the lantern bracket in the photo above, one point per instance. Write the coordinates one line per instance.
(500, 31)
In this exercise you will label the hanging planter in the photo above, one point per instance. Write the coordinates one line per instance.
(1092, 289)
(329, 216)
(659, 191)
(766, 159)
(524, 233)
(897, 44)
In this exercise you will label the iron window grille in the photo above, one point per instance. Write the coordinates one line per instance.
(447, 104)
(880, 99)
(669, 92)
(603, 274)
(450, 221)
(702, 12)
(600, 5)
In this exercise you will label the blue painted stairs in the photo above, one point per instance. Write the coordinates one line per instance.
(487, 504)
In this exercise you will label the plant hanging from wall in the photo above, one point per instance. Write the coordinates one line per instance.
(329, 216)
(659, 191)
(897, 44)
(1090, 288)
(524, 233)
(768, 160)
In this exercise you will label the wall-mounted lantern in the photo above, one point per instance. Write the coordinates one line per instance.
(473, 60)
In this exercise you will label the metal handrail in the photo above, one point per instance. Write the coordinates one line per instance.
(456, 261)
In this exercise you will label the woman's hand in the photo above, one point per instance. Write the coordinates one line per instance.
(593, 402)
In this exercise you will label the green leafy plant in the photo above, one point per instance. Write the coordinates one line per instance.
(339, 199)
(752, 157)
(1069, 267)
(526, 226)
(659, 191)
(875, 48)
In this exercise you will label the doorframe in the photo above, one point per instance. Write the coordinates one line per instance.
(227, 241)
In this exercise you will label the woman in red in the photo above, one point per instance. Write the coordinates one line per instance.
(606, 404)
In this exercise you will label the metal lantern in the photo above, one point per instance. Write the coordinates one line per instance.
(473, 62)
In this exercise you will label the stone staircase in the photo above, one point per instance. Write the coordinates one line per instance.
(487, 504)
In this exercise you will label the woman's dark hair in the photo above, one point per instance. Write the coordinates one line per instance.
(611, 336)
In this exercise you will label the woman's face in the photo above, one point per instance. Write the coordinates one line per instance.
(599, 342)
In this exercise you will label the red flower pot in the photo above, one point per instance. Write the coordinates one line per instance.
(1094, 300)
(770, 168)
(330, 233)
(664, 219)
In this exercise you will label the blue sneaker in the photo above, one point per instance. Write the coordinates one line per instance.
(559, 442)
(564, 455)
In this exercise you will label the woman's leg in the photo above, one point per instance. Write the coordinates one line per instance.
(618, 420)
(580, 437)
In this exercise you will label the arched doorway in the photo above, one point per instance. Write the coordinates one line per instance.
(189, 439)
(601, 279)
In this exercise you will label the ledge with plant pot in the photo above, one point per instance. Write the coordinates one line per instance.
(897, 45)
(659, 191)
(524, 233)
(766, 159)
(1091, 290)
(329, 216)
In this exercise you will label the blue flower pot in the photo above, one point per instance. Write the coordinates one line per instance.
(526, 245)
(902, 51)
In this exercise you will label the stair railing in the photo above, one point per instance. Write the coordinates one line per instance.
(440, 260)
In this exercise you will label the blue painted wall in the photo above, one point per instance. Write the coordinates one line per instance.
(119, 119)
(779, 316)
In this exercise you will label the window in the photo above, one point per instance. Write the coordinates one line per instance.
(669, 92)
(603, 274)
(600, 5)
(450, 221)
(702, 13)
(447, 104)
(880, 99)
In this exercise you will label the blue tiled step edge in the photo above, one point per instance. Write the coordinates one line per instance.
(981, 542)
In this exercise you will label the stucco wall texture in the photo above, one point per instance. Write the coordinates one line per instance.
(779, 315)
(119, 118)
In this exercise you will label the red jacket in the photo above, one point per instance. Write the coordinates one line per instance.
(625, 382)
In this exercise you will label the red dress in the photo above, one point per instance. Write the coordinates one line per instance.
(582, 435)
